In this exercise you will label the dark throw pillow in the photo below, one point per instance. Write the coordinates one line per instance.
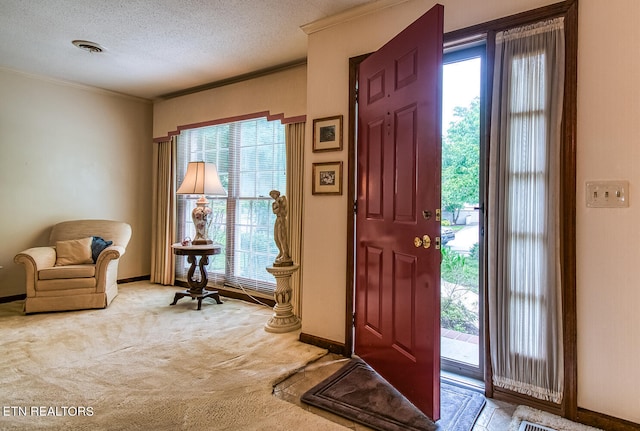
(97, 246)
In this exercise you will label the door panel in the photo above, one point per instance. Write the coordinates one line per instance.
(373, 299)
(405, 159)
(397, 297)
(375, 163)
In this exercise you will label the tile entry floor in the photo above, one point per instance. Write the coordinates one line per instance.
(495, 416)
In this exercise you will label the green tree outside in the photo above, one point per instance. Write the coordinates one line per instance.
(461, 160)
(460, 187)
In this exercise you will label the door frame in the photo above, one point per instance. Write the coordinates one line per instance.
(354, 63)
(569, 10)
(461, 50)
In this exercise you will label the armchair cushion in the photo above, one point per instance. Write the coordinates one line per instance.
(67, 271)
(65, 286)
(74, 252)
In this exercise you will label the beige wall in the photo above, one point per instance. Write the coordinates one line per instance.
(282, 93)
(608, 239)
(70, 152)
(608, 112)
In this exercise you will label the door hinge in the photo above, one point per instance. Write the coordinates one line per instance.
(357, 94)
(438, 214)
(354, 320)
(355, 206)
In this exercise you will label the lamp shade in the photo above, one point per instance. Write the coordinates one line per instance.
(201, 179)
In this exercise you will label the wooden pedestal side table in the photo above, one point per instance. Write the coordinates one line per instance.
(197, 287)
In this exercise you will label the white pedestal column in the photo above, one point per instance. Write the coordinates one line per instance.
(283, 319)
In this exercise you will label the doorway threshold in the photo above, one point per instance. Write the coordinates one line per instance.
(463, 381)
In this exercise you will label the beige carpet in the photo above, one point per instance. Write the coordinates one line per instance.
(524, 413)
(142, 364)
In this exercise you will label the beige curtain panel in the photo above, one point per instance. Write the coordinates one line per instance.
(523, 231)
(295, 163)
(164, 213)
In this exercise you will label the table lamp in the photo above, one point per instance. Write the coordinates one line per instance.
(201, 179)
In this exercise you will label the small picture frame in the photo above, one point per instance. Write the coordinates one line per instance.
(327, 134)
(327, 178)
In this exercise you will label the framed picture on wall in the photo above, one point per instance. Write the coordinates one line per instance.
(327, 178)
(327, 134)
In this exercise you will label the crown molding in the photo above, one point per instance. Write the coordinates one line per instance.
(234, 79)
(348, 15)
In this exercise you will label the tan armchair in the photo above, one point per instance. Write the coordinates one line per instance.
(58, 282)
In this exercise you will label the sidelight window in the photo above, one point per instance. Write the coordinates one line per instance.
(524, 277)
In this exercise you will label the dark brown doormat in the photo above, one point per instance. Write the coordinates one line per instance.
(361, 395)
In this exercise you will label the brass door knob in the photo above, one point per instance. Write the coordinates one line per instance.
(425, 241)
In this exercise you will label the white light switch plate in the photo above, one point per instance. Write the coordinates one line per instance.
(607, 194)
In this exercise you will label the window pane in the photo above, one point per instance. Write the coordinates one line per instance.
(248, 161)
(247, 184)
(528, 199)
(265, 157)
(255, 248)
(251, 160)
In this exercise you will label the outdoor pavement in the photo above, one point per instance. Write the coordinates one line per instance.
(465, 239)
(459, 347)
(456, 345)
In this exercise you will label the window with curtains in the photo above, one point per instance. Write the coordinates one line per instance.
(251, 159)
(528, 189)
(524, 218)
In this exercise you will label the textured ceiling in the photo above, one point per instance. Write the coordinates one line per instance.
(156, 47)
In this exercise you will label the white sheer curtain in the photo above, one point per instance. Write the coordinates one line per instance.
(164, 212)
(295, 164)
(524, 283)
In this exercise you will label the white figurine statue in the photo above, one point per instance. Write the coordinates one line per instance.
(280, 232)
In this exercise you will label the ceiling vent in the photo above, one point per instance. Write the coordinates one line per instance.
(91, 47)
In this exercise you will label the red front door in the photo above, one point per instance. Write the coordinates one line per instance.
(397, 276)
